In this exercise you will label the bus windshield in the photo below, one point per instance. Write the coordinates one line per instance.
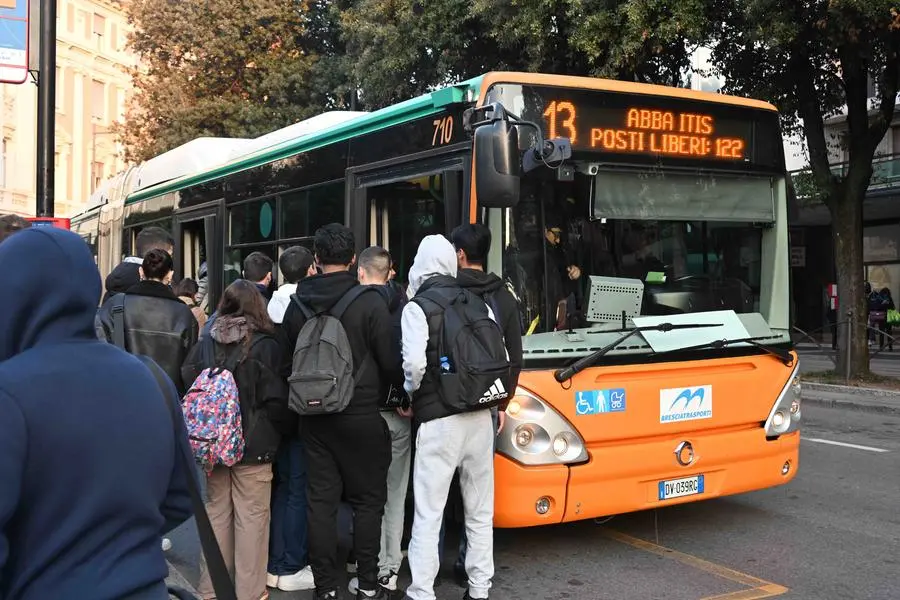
(695, 241)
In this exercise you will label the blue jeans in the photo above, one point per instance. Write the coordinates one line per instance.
(288, 540)
(460, 563)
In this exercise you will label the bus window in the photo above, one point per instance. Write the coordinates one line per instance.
(304, 211)
(553, 244)
(405, 212)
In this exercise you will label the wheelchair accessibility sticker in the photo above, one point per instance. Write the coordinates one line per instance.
(595, 402)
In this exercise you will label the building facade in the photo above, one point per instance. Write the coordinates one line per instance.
(812, 252)
(92, 85)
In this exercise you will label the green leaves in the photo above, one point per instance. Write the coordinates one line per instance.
(220, 68)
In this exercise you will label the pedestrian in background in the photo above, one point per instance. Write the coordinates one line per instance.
(289, 568)
(294, 264)
(187, 290)
(10, 224)
(127, 273)
(149, 319)
(90, 474)
(238, 498)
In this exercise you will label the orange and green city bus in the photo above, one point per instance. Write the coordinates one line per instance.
(642, 229)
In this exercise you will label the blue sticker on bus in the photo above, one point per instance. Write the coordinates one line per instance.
(595, 402)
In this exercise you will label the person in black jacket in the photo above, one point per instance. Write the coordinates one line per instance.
(238, 497)
(472, 243)
(349, 451)
(156, 323)
(374, 269)
(127, 274)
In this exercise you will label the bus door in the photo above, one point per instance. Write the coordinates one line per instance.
(198, 252)
(397, 205)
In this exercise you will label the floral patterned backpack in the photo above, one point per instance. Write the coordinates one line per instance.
(212, 415)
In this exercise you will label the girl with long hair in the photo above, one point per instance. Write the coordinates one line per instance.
(238, 498)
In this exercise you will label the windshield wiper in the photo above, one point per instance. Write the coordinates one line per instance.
(583, 363)
(779, 353)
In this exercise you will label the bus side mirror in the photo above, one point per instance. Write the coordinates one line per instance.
(497, 167)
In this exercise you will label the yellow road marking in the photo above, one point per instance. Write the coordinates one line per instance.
(760, 588)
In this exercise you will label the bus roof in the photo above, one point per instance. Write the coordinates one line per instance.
(303, 136)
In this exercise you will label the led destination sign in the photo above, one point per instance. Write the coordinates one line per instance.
(634, 128)
(640, 130)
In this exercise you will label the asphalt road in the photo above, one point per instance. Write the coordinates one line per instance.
(833, 533)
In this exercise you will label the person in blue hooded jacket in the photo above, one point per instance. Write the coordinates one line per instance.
(89, 475)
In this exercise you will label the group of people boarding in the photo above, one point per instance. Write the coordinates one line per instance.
(291, 404)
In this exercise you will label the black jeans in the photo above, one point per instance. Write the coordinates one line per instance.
(347, 454)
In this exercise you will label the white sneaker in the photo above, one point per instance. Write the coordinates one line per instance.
(301, 580)
(271, 580)
(353, 586)
(388, 582)
(166, 544)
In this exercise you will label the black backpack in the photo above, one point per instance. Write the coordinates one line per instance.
(475, 374)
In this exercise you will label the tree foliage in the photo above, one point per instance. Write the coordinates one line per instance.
(814, 59)
(215, 68)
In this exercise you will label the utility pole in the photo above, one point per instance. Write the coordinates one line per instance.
(46, 118)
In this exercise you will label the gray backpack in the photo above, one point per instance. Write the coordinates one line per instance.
(322, 377)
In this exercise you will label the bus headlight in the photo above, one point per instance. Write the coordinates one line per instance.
(785, 414)
(536, 434)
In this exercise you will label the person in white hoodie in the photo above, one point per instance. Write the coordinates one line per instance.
(447, 440)
(294, 264)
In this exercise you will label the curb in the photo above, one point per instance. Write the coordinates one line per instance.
(853, 398)
(176, 579)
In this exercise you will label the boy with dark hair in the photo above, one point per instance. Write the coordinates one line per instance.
(288, 568)
(294, 264)
(127, 274)
(347, 452)
(9, 224)
(258, 269)
(374, 269)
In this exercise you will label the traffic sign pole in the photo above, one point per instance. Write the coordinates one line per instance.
(46, 125)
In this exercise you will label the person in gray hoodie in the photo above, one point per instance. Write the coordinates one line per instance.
(446, 441)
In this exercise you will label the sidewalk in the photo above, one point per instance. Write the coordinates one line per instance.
(819, 360)
(176, 579)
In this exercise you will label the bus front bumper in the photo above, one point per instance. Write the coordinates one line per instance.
(626, 477)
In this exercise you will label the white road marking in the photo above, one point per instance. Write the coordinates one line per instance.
(845, 445)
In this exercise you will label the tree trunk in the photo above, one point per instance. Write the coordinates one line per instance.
(847, 231)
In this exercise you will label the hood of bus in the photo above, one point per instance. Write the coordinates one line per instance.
(610, 403)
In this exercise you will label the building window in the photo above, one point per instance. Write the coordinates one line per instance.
(99, 30)
(70, 18)
(3, 164)
(96, 175)
(98, 100)
(114, 37)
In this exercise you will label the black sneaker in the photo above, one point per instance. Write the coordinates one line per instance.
(379, 594)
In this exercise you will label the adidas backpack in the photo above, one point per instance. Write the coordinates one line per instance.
(212, 414)
(476, 373)
(322, 377)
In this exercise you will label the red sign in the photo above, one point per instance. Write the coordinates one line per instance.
(49, 222)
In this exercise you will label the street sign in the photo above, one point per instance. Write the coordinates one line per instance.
(14, 41)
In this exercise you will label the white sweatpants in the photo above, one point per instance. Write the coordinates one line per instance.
(397, 482)
(464, 442)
